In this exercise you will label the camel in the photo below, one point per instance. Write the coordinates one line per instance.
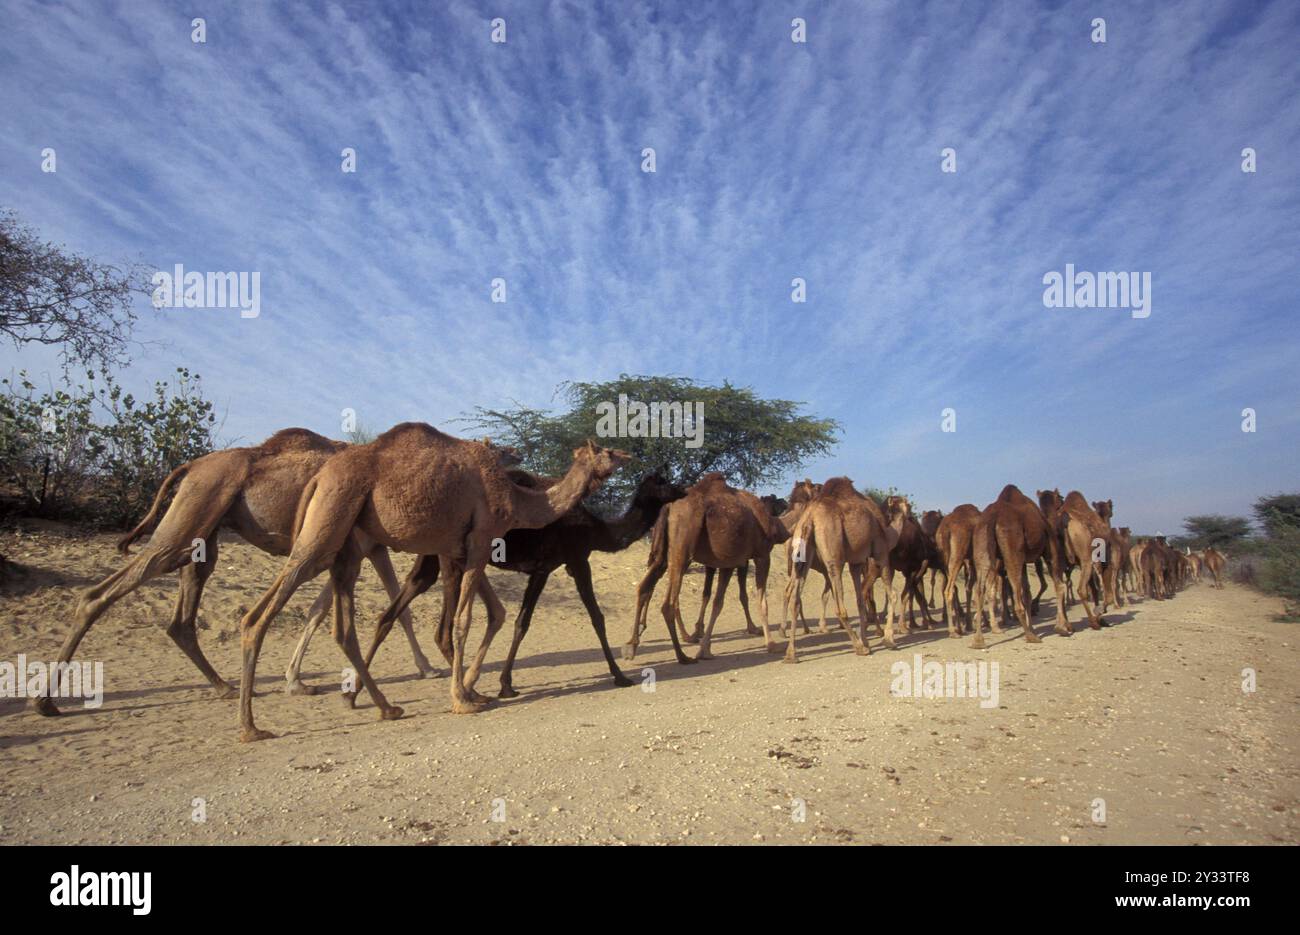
(1214, 564)
(252, 491)
(1085, 530)
(1011, 532)
(417, 490)
(567, 542)
(930, 521)
(1193, 564)
(715, 525)
(1121, 545)
(776, 507)
(842, 527)
(912, 554)
(953, 540)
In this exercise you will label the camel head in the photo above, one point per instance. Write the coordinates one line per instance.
(1125, 533)
(802, 491)
(896, 506)
(602, 462)
(1105, 509)
(775, 505)
(1050, 501)
(655, 490)
(930, 521)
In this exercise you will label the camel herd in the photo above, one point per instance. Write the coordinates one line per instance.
(460, 505)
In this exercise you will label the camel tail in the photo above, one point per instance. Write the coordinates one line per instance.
(300, 515)
(151, 518)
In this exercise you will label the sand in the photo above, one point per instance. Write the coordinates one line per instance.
(1138, 733)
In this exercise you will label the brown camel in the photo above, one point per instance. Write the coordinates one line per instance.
(842, 527)
(1214, 564)
(1011, 532)
(1121, 544)
(254, 492)
(715, 525)
(417, 490)
(567, 542)
(1194, 565)
(911, 555)
(776, 507)
(1087, 536)
(953, 540)
(804, 492)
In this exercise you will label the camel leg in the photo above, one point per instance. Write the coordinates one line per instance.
(383, 566)
(496, 612)
(580, 571)
(793, 589)
(343, 576)
(671, 607)
(464, 701)
(1086, 592)
(762, 566)
(253, 631)
(866, 586)
(1020, 595)
(532, 591)
(694, 636)
(1042, 586)
(860, 646)
(294, 685)
(423, 575)
(183, 629)
(97, 600)
(724, 579)
(644, 591)
(742, 574)
(822, 626)
(855, 575)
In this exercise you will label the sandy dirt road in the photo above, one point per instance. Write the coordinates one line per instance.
(1146, 718)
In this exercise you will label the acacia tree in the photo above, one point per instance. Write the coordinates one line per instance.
(752, 441)
(53, 297)
(1216, 531)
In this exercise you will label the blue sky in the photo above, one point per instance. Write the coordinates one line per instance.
(775, 160)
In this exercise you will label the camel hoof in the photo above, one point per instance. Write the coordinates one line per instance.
(252, 734)
(863, 650)
(225, 692)
(753, 631)
(690, 638)
(507, 691)
(953, 634)
(429, 672)
(467, 707)
(391, 713)
(301, 688)
(1095, 624)
(890, 644)
(45, 707)
(1033, 638)
(1064, 631)
(789, 657)
(349, 700)
(977, 643)
(703, 656)
(629, 652)
(774, 647)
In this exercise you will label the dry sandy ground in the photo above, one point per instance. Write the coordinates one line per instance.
(1148, 715)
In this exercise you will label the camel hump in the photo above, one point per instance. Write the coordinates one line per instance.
(297, 439)
(419, 432)
(1075, 502)
(712, 482)
(1010, 494)
(838, 488)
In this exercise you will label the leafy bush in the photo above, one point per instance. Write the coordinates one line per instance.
(94, 452)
